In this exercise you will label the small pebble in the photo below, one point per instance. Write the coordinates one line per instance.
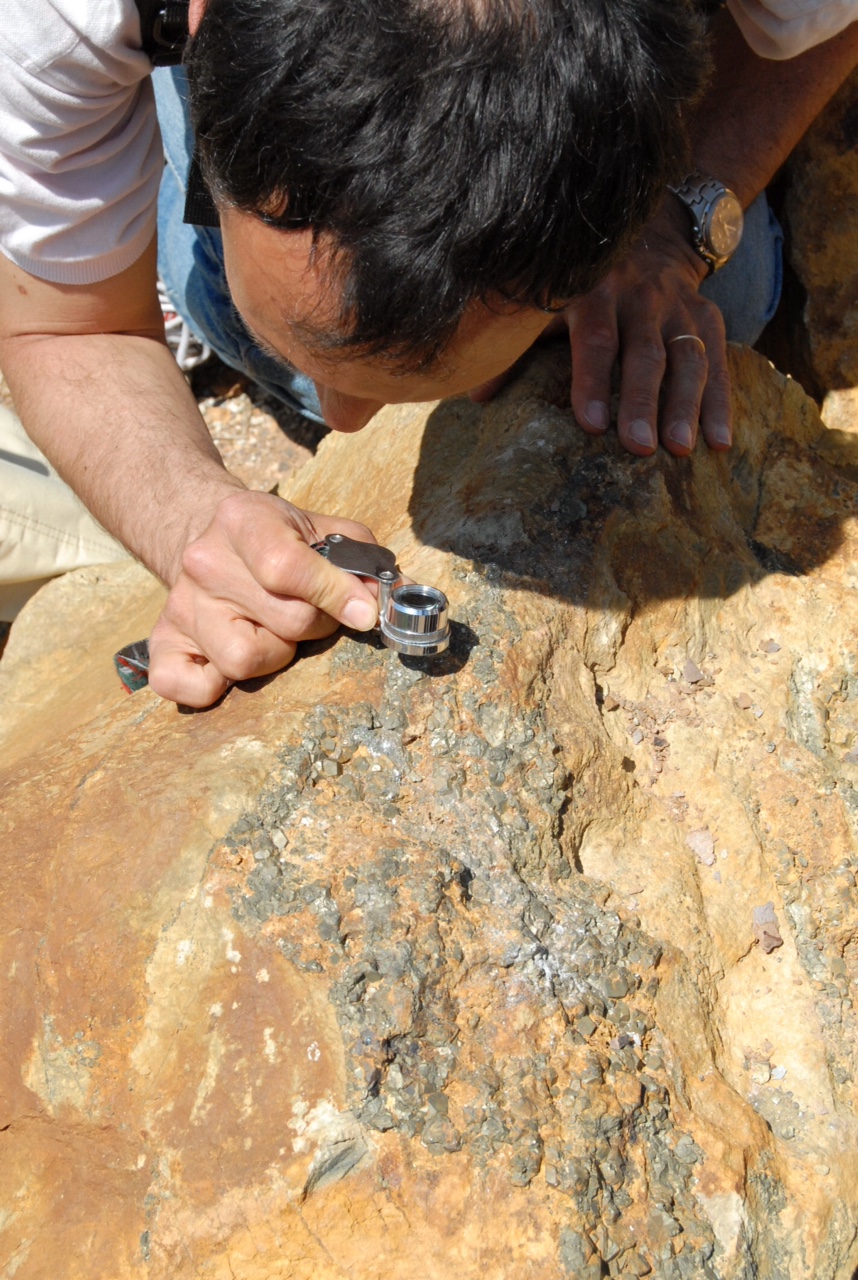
(770, 646)
(637, 737)
(743, 702)
(779, 1073)
(765, 925)
(758, 711)
(614, 986)
(702, 844)
(770, 747)
(609, 703)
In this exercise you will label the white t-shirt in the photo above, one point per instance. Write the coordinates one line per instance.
(784, 28)
(80, 150)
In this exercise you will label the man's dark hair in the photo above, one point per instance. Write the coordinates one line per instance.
(452, 149)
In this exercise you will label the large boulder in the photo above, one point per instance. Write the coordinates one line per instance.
(822, 222)
(533, 962)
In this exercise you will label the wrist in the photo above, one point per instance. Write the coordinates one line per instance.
(203, 499)
(668, 233)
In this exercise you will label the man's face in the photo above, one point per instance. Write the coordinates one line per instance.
(277, 282)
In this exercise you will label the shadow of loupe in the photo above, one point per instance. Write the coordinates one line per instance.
(463, 640)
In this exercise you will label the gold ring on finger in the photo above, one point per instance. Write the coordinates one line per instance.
(685, 337)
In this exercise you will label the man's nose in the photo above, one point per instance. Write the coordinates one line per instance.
(343, 412)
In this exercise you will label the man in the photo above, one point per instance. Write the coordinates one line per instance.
(407, 192)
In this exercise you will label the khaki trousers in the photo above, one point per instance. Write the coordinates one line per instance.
(44, 529)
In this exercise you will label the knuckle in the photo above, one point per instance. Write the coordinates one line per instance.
(694, 360)
(232, 507)
(711, 315)
(650, 353)
(598, 340)
(162, 678)
(302, 620)
(644, 408)
(361, 532)
(273, 569)
(719, 384)
(169, 679)
(198, 560)
(686, 408)
(238, 658)
(317, 583)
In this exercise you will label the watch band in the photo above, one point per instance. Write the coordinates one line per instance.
(700, 195)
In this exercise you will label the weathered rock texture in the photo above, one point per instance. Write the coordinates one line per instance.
(823, 245)
(536, 963)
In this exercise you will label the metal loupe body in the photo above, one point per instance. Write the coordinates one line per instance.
(413, 620)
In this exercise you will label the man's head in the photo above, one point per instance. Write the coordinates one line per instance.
(411, 174)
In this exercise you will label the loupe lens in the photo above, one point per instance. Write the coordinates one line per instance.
(414, 621)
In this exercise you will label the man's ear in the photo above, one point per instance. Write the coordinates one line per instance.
(195, 13)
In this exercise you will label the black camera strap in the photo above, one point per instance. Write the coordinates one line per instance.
(163, 30)
(164, 34)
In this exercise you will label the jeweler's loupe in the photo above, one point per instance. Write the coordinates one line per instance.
(412, 619)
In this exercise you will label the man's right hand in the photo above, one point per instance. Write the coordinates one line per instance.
(100, 393)
(249, 589)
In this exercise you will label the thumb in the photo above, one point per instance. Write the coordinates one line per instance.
(344, 596)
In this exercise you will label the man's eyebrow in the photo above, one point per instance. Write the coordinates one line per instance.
(261, 342)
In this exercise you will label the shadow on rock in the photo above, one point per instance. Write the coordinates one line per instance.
(462, 641)
(516, 485)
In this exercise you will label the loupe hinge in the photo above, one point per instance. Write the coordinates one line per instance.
(365, 559)
(412, 619)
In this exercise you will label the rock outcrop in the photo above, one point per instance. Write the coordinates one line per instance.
(536, 962)
(823, 246)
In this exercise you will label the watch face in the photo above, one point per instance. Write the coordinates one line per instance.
(725, 222)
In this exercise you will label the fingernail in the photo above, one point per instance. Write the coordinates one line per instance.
(360, 615)
(596, 414)
(641, 432)
(680, 433)
(721, 434)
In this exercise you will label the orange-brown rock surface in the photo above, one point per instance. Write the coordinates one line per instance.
(534, 963)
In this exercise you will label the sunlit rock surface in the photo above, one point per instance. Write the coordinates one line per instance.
(534, 963)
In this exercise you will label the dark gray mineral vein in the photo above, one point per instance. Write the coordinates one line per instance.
(473, 879)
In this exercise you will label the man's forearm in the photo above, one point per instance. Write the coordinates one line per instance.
(756, 110)
(116, 418)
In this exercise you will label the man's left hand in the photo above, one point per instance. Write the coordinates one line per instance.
(648, 317)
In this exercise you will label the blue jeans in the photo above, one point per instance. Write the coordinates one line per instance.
(748, 288)
(190, 261)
